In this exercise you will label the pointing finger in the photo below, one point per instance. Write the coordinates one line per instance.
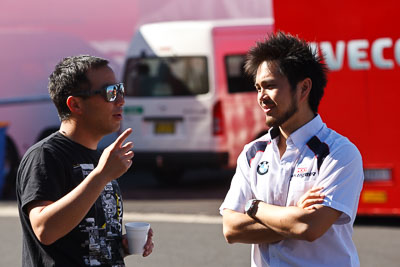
(122, 137)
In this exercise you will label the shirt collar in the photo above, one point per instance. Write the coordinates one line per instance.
(274, 132)
(302, 135)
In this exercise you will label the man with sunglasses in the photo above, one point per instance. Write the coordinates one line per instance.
(69, 201)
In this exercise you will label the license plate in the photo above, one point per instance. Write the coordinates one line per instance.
(164, 127)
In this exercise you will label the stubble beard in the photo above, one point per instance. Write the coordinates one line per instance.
(106, 129)
(278, 121)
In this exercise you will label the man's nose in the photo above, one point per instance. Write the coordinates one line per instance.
(120, 101)
(263, 94)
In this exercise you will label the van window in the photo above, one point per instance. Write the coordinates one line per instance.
(238, 80)
(166, 76)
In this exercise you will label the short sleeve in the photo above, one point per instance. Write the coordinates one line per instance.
(342, 178)
(41, 176)
(240, 190)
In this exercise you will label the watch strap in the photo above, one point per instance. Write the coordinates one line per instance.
(252, 210)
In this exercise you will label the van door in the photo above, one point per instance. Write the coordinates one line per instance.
(243, 119)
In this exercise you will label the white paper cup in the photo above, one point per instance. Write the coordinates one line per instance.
(136, 233)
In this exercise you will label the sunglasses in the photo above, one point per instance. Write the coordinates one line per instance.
(109, 92)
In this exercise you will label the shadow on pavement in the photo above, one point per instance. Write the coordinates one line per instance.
(199, 184)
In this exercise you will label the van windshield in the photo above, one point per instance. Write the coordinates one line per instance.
(166, 76)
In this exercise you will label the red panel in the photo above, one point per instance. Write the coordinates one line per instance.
(358, 103)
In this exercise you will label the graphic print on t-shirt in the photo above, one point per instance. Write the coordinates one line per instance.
(103, 226)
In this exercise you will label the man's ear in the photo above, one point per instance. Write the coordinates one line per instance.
(305, 88)
(74, 104)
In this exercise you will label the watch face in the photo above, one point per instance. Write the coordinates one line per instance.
(248, 204)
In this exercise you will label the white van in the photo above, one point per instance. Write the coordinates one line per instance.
(188, 101)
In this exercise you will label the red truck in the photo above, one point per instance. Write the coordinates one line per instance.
(361, 44)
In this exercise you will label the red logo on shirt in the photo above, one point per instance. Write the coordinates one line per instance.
(301, 170)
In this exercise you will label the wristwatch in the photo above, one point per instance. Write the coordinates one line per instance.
(251, 207)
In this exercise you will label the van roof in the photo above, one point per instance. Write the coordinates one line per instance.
(211, 23)
(183, 38)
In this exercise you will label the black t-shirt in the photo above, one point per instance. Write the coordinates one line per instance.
(49, 170)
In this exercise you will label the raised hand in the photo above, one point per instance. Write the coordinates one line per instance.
(116, 159)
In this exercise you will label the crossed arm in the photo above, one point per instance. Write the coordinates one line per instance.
(307, 221)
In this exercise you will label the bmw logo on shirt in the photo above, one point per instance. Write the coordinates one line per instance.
(263, 167)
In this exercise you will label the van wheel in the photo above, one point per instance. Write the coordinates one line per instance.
(168, 176)
(11, 162)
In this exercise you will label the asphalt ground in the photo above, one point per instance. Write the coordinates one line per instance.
(188, 228)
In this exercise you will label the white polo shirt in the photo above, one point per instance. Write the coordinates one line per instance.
(329, 160)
